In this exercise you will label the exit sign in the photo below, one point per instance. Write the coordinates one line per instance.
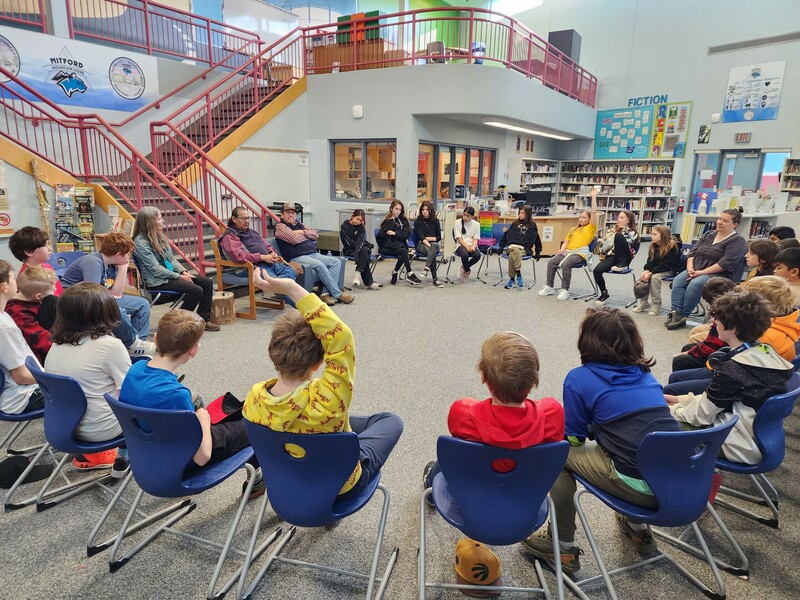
(742, 138)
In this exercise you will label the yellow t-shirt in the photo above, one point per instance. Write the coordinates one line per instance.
(580, 236)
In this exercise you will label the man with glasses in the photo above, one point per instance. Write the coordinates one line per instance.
(299, 243)
(242, 244)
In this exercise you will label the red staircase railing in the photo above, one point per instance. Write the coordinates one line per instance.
(88, 148)
(158, 29)
(28, 13)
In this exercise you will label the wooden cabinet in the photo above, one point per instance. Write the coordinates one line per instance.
(348, 54)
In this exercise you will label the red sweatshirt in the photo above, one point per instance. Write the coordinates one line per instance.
(536, 422)
(26, 316)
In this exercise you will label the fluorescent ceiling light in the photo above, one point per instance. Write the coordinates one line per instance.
(529, 131)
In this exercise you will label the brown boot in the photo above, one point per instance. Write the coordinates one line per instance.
(345, 298)
(327, 299)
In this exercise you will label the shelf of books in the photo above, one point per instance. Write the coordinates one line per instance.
(643, 187)
(753, 226)
(538, 174)
(790, 182)
(74, 218)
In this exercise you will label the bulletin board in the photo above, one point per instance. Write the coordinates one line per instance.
(754, 92)
(670, 130)
(623, 133)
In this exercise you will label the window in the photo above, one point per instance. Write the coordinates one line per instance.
(357, 178)
(770, 172)
(458, 171)
(425, 172)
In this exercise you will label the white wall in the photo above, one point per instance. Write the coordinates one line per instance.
(644, 47)
(24, 209)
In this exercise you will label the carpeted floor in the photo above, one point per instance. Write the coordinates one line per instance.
(417, 349)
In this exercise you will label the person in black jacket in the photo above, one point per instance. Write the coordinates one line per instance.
(353, 235)
(522, 238)
(429, 235)
(663, 260)
(392, 238)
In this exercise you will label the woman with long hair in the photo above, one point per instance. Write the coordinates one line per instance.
(160, 269)
(429, 237)
(353, 235)
(618, 246)
(467, 232)
(85, 349)
(663, 260)
(392, 238)
(522, 239)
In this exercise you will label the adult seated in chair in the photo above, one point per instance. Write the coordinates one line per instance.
(574, 252)
(296, 403)
(242, 244)
(717, 253)
(616, 399)
(161, 270)
(109, 267)
(299, 243)
(521, 239)
(353, 235)
(618, 246)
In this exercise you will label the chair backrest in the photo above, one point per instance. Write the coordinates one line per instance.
(738, 270)
(498, 229)
(65, 405)
(161, 444)
(678, 465)
(768, 425)
(61, 260)
(499, 508)
(302, 491)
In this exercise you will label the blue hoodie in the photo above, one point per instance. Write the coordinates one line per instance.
(616, 406)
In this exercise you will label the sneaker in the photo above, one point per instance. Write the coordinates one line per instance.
(466, 275)
(540, 544)
(520, 282)
(98, 460)
(677, 322)
(374, 286)
(328, 299)
(438, 283)
(641, 307)
(547, 291)
(259, 488)
(670, 315)
(424, 272)
(462, 275)
(601, 299)
(120, 468)
(357, 283)
(642, 540)
(510, 284)
(618, 269)
(654, 310)
(345, 298)
(563, 295)
(212, 326)
(142, 348)
(413, 279)
(426, 481)
(394, 277)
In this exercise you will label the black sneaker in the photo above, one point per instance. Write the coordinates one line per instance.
(601, 299)
(413, 279)
(426, 481)
(642, 540)
(438, 283)
(540, 544)
(394, 277)
(120, 468)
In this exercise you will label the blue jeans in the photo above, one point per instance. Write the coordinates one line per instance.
(689, 380)
(377, 436)
(326, 268)
(135, 315)
(686, 292)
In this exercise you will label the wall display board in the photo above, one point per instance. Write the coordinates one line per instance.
(623, 133)
(753, 92)
(670, 130)
(74, 218)
(74, 73)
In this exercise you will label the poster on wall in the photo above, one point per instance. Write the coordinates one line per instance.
(754, 92)
(670, 129)
(6, 228)
(623, 133)
(74, 73)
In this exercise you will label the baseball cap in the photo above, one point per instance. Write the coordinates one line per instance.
(289, 206)
(12, 467)
(477, 565)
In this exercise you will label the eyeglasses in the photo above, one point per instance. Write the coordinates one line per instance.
(242, 218)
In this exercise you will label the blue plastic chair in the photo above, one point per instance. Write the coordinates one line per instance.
(586, 266)
(161, 444)
(173, 297)
(498, 229)
(491, 507)
(304, 493)
(769, 435)
(64, 407)
(20, 423)
(626, 271)
(60, 261)
(417, 255)
(678, 466)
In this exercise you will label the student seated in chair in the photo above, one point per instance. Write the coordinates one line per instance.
(522, 239)
(743, 377)
(297, 402)
(154, 384)
(31, 246)
(34, 285)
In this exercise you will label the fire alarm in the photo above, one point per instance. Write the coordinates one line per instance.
(358, 111)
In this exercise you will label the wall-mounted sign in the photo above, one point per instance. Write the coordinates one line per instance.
(742, 138)
(754, 92)
(646, 100)
(623, 133)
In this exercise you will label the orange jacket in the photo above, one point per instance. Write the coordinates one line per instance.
(783, 334)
